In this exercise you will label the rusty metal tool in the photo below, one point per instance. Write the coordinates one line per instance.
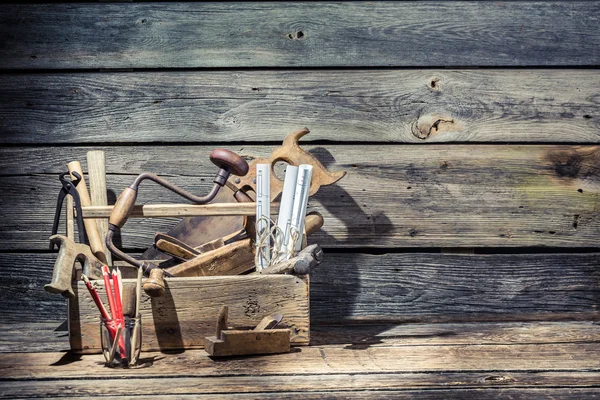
(69, 253)
(228, 163)
(196, 231)
(263, 339)
(69, 188)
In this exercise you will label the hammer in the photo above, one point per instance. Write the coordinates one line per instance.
(68, 254)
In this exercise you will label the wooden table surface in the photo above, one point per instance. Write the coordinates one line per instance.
(520, 360)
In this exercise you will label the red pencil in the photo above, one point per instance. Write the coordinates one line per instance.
(95, 297)
(107, 286)
(118, 300)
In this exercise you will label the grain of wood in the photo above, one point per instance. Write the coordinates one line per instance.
(298, 34)
(327, 386)
(98, 195)
(387, 106)
(188, 310)
(440, 394)
(406, 196)
(319, 360)
(395, 287)
(101, 213)
(31, 337)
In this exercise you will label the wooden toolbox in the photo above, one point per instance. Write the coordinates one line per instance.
(188, 311)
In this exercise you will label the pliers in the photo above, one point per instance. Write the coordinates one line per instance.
(68, 187)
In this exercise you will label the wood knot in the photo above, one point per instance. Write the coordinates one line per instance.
(298, 35)
(432, 124)
(435, 84)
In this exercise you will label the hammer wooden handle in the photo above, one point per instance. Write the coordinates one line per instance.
(90, 225)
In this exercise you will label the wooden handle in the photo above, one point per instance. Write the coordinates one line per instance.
(90, 225)
(97, 177)
(155, 284)
(232, 259)
(123, 208)
(227, 159)
(313, 222)
(174, 249)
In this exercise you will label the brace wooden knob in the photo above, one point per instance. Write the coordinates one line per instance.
(155, 284)
(230, 161)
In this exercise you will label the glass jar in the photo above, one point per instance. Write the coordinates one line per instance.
(126, 352)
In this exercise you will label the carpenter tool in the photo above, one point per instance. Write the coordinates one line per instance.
(306, 260)
(198, 230)
(174, 247)
(96, 164)
(69, 253)
(299, 209)
(291, 152)
(228, 163)
(69, 188)
(284, 220)
(263, 339)
(137, 327)
(91, 229)
(232, 259)
(182, 251)
(263, 216)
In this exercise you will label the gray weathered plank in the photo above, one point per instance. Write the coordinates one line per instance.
(327, 386)
(392, 287)
(411, 106)
(333, 359)
(424, 33)
(402, 196)
(33, 337)
(408, 394)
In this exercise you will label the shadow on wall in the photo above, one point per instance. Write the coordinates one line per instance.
(335, 287)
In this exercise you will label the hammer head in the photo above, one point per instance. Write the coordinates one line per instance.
(69, 253)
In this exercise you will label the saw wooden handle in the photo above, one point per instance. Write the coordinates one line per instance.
(90, 225)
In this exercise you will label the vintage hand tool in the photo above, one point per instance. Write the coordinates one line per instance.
(174, 247)
(228, 163)
(69, 253)
(91, 229)
(306, 260)
(196, 231)
(263, 339)
(68, 188)
(290, 152)
(232, 259)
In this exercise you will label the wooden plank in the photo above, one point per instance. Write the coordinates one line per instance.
(178, 210)
(390, 106)
(406, 196)
(441, 394)
(408, 287)
(188, 310)
(342, 385)
(191, 35)
(31, 337)
(318, 360)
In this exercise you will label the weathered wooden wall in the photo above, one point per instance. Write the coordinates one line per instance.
(461, 249)
(503, 159)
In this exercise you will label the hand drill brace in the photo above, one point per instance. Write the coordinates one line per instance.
(228, 163)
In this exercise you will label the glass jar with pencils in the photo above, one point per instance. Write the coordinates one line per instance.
(121, 341)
